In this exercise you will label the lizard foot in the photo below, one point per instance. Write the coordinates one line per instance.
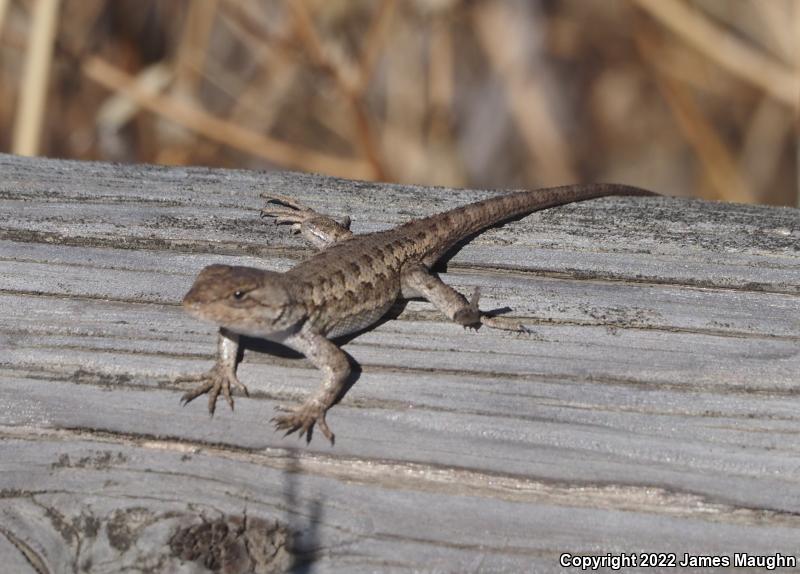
(303, 419)
(471, 317)
(214, 382)
(288, 211)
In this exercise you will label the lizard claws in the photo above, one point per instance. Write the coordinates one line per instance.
(215, 382)
(303, 419)
(286, 209)
(320, 229)
(284, 200)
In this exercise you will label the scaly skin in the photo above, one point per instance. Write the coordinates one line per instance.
(347, 286)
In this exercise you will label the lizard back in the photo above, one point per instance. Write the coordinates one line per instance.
(352, 283)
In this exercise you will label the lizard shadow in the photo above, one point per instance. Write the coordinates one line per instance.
(441, 263)
(282, 351)
(305, 546)
(278, 350)
(272, 348)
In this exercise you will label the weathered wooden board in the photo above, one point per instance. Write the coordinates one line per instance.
(654, 407)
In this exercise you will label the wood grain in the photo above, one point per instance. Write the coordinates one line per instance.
(654, 406)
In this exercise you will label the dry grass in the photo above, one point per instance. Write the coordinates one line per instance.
(33, 91)
(685, 97)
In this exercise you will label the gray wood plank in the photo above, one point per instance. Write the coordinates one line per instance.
(115, 497)
(654, 406)
(663, 240)
(346, 519)
(153, 276)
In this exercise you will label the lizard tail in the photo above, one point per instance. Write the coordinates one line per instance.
(462, 222)
(494, 210)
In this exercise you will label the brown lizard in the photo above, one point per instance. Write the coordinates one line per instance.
(345, 287)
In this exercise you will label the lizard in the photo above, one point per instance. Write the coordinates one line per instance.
(348, 285)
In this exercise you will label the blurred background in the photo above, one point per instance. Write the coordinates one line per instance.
(685, 97)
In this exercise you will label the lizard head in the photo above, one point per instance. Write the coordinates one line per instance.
(243, 299)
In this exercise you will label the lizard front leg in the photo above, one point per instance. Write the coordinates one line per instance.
(220, 377)
(417, 279)
(321, 230)
(335, 368)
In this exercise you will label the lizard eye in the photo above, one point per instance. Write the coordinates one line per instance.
(238, 295)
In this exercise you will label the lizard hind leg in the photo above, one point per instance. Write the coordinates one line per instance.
(320, 230)
(416, 278)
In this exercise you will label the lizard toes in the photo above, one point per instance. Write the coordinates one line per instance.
(325, 429)
(212, 400)
(242, 387)
(215, 382)
(284, 422)
(302, 419)
(191, 395)
(287, 423)
(284, 200)
(226, 392)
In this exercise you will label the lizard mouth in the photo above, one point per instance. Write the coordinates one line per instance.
(197, 305)
(192, 298)
(196, 310)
